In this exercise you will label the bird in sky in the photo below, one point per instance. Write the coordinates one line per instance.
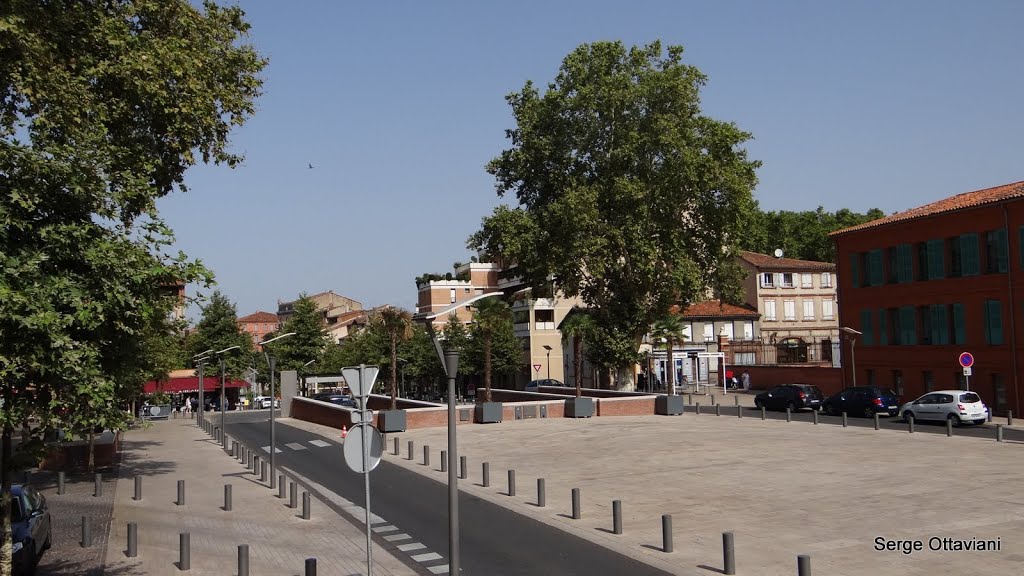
(310, 166)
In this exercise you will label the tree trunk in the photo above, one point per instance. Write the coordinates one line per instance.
(394, 371)
(577, 364)
(670, 370)
(7, 550)
(92, 445)
(487, 367)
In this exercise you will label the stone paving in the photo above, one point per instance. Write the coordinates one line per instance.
(67, 557)
(782, 488)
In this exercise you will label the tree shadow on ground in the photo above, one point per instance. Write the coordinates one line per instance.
(71, 568)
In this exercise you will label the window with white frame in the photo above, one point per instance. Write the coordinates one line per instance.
(769, 310)
(826, 309)
(727, 330)
(808, 309)
(744, 358)
(787, 280)
(767, 280)
(452, 293)
(806, 281)
(709, 331)
(688, 331)
(789, 310)
(826, 279)
(748, 330)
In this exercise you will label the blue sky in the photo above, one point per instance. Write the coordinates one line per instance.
(399, 106)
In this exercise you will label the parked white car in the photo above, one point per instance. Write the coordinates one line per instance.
(960, 406)
(264, 402)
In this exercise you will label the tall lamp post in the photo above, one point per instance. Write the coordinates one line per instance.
(305, 392)
(852, 335)
(273, 437)
(548, 348)
(223, 399)
(201, 359)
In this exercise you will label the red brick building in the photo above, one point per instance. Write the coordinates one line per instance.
(926, 284)
(258, 324)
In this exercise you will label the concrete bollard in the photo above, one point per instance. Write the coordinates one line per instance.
(86, 533)
(293, 496)
(999, 432)
(511, 482)
(718, 409)
(739, 411)
(310, 567)
(696, 408)
(410, 450)
(281, 485)
(97, 489)
(305, 505)
(263, 471)
(133, 540)
(444, 460)
(845, 419)
(803, 565)
(184, 552)
(426, 455)
(712, 398)
(138, 488)
(273, 478)
(616, 516)
(486, 471)
(60, 483)
(243, 560)
(666, 533)
(541, 493)
(737, 400)
(181, 493)
(462, 467)
(988, 415)
(815, 416)
(576, 512)
(910, 424)
(949, 427)
(877, 421)
(396, 446)
(762, 413)
(227, 497)
(789, 415)
(1009, 417)
(728, 553)
(689, 399)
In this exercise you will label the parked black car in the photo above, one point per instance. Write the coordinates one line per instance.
(863, 401)
(792, 396)
(335, 398)
(31, 529)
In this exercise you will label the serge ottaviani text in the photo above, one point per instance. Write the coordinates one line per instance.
(938, 544)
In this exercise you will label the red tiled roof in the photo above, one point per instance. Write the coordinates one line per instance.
(951, 204)
(766, 262)
(715, 309)
(259, 317)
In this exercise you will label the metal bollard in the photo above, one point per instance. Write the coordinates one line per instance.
(243, 560)
(876, 421)
(910, 424)
(255, 465)
(737, 399)
(511, 482)
(184, 552)
(396, 446)
(541, 493)
(988, 414)
(426, 455)
(696, 408)
(60, 483)
(444, 460)
(138, 488)
(133, 539)
(718, 409)
(86, 533)
(1009, 417)
(949, 427)
(293, 496)
(181, 493)
(310, 567)
(227, 497)
(999, 432)
(728, 553)
(803, 565)
(762, 413)
(462, 467)
(97, 490)
(263, 471)
(576, 513)
(273, 477)
(305, 505)
(712, 398)
(789, 415)
(486, 471)
(844, 419)
(616, 516)
(739, 411)
(689, 398)
(666, 532)
(281, 485)
(410, 450)
(815, 415)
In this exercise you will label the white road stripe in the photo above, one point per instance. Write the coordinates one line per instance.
(396, 537)
(388, 528)
(267, 449)
(295, 446)
(411, 547)
(427, 557)
(319, 443)
(439, 569)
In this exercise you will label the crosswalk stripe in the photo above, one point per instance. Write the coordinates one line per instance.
(439, 569)
(267, 449)
(388, 528)
(295, 446)
(395, 537)
(426, 557)
(411, 547)
(320, 443)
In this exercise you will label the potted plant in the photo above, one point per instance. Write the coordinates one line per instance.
(578, 324)
(669, 330)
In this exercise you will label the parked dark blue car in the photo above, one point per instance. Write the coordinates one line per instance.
(863, 401)
(31, 529)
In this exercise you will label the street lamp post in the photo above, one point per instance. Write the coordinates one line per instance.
(223, 399)
(201, 359)
(548, 348)
(852, 334)
(273, 438)
(305, 392)
(451, 364)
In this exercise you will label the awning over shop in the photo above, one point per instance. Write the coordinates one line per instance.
(190, 384)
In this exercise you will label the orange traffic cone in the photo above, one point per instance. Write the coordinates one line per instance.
(344, 431)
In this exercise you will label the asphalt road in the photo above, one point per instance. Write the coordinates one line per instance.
(494, 540)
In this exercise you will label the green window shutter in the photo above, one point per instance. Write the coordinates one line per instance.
(906, 263)
(959, 328)
(855, 270)
(969, 255)
(1002, 251)
(867, 333)
(941, 325)
(936, 259)
(908, 326)
(883, 328)
(933, 324)
(993, 322)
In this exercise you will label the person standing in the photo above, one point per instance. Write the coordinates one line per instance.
(745, 378)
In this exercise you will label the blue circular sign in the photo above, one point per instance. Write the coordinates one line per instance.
(966, 359)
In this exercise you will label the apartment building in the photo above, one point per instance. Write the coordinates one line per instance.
(330, 305)
(257, 325)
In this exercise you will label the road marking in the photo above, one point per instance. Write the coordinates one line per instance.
(411, 547)
(295, 446)
(388, 528)
(267, 449)
(427, 557)
(396, 537)
(319, 443)
(439, 569)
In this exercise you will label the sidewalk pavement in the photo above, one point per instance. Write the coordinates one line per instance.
(279, 539)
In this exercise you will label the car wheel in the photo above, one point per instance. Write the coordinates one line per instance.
(49, 539)
(954, 419)
(979, 422)
(830, 410)
(869, 413)
(758, 404)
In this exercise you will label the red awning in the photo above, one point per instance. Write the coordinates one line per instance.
(190, 384)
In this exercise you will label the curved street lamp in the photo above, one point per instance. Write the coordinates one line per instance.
(270, 364)
(223, 399)
(201, 359)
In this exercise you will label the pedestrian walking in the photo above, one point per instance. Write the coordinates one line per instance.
(745, 378)
(188, 405)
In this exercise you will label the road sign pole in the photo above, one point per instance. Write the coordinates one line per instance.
(367, 419)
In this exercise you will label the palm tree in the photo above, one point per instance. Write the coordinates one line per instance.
(491, 315)
(397, 325)
(578, 326)
(669, 328)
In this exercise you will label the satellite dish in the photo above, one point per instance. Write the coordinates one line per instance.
(778, 252)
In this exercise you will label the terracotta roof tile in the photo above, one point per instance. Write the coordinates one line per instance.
(715, 309)
(259, 317)
(766, 262)
(951, 204)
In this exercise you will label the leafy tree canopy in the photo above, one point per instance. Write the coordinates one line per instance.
(309, 341)
(801, 235)
(217, 330)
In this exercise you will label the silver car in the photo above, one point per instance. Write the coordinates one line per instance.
(960, 406)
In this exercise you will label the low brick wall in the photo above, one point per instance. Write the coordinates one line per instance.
(636, 406)
(323, 413)
(75, 456)
(827, 378)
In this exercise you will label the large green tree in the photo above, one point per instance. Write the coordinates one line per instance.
(104, 105)
(396, 323)
(492, 345)
(627, 195)
(309, 341)
(217, 330)
(801, 235)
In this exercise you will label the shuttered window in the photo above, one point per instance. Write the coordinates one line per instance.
(970, 264)
(904, 263)
(936, 259)
(876, 271)
(867, 330)
(959, 326)
(993, 322)
(883, 328)
(996, 251)
(908, 325)
(855, 270)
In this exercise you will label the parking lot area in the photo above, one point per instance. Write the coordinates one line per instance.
(783, 488)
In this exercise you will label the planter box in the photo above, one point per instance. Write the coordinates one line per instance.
(391, 421)
(579, 407)
(488, 412)
(668, 405)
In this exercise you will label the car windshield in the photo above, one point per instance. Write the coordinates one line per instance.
(969, 398)
(810, 389)
(17, 515)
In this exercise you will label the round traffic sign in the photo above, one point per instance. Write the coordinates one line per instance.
(966, 359)
(352, 449)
